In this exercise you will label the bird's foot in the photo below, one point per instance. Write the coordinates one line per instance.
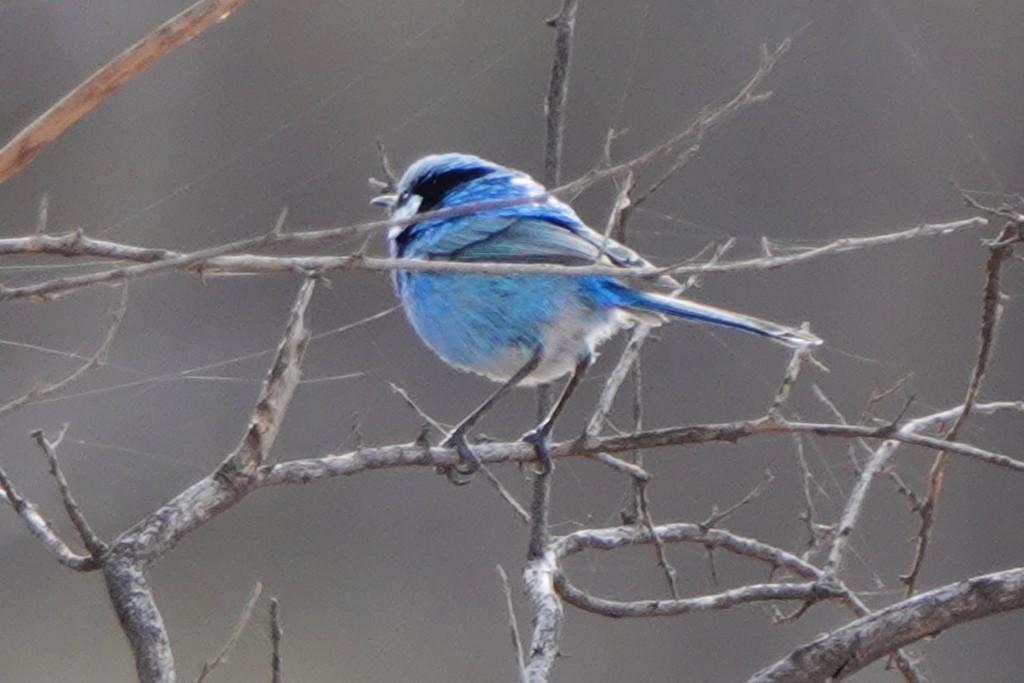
(462, 472)
(538, 438)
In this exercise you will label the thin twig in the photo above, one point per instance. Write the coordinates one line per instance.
(276, 636)
(992, 306)
(513, 625)
(226, 259)
(98, 358)
(692, 135)
(23, 147)
(564, 24)
(631, 353)
(644, 509)
(93, 543)
(417, 455)
(125, 562)
(789, 378)
(236, 633)
(43, 219)
(809, 592)
(278, 390)
(878, 461)
(717, 516)
(40, 527)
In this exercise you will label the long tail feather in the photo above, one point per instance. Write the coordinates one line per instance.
(690, 310)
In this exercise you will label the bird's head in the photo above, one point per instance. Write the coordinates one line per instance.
(445, 180)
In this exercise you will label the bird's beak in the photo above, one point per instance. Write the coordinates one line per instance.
(388, 201)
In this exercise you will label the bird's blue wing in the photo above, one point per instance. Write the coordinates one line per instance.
(532, 234)
(530, 240)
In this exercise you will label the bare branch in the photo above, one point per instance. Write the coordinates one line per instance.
(992, 306)
(805, 592)
(96, 359)
(548, 615)
(161, 530)
(564, 24)
(236, 633)
(147, 540)
(276, 636)
(278, 389)
(93, 543)
(406, 455)
(717, 516)
(789, 378)
(631, 353)
(23, 147)
(517, 643)
(850, 648)
(225, 259)
(41, 528)
(620, 537)
(877, 463)
(495, 483)
(692, 135)
(140, 618)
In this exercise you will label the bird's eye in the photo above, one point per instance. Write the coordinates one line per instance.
(403, 198)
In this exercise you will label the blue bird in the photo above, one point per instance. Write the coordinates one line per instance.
(521, 329)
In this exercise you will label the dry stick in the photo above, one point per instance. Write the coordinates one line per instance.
(564, 24)
(44, 214)
(23, 147)
(493, 480)
(878, 461)
(809, 592)
(647, 519)
(548, 609)
(538, 577)
(93, 544)
(992, 307)
(693, 133)
(907, 666)
(146, 541)
(517, 643)
(154, 262)
(628, 362)
(632, 352)
(236, 633)
(901, 486)
(40, 527)
(223, 259)
(625, 537)
(276, 636)
(96, 359)
(302, 471)
(718, 516)
(849, 649)
(789, 378)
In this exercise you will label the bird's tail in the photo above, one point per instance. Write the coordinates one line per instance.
(690, 310)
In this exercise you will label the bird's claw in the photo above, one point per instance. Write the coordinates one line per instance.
(539, 440)
(462, 472)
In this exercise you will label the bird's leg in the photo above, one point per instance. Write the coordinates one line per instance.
(457, 437)
(539, 435)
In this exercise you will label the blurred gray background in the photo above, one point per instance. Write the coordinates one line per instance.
(390, 576)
